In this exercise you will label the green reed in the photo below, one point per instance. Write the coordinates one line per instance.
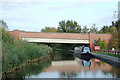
(16, 52)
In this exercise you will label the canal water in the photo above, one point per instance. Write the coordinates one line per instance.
(67, 65)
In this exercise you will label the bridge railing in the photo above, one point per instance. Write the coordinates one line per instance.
(108, 52)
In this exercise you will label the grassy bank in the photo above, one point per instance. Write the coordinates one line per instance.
(114, 55)
(16, 52)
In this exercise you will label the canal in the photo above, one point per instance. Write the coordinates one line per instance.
(64, 64)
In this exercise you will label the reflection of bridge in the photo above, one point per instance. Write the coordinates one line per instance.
(59, 37)
(72, 66)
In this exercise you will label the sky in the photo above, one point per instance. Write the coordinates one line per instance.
(33, 15)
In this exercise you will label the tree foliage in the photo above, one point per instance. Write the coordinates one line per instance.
(93, 29)
(104, 29)
(69, 26)
(102, 43)
(119, 37)
(3, 25)
(116, 24)
(112, 30)
(49, 29)
(85, 29)
(114, 42)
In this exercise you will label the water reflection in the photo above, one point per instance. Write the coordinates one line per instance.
(65, 65)
(79, 67)
(61, 55)
(86, 63)
(28, 70)
(85, 59)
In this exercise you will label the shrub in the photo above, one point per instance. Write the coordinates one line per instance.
(18, 52)
(103, 44)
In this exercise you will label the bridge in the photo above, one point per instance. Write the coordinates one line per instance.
(76, 38)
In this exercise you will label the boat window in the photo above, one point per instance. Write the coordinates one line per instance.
(86, 49)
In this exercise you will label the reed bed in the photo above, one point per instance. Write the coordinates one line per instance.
(17, 52)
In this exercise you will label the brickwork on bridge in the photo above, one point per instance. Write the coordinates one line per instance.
(91, 37)
(49, 35)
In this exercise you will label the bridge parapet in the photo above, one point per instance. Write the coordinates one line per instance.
(49, 35)
(60, 37)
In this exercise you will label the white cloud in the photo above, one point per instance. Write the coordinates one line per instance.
(50, 12)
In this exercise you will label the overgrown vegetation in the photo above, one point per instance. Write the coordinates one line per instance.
(102, 43)
(70, 26)
(16, 52)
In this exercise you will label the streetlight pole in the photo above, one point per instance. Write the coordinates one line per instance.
(114, 19)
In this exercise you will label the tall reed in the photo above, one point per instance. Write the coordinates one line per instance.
(16, 52)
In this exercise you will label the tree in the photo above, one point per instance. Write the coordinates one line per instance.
(119, 37)
(6, 36)
(97, 43)
(112, 30)
(62, 26)
(3, 25)
(85, 29)
(93, 29)
(69, 26)
(104, 29)
(114, 42)
(116, 24)
(114, 27)
(49, 29)
(78, 30)
(103, 44)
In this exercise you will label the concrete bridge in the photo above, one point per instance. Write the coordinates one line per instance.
(38, 37)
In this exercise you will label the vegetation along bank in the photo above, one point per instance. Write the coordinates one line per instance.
(17, 52)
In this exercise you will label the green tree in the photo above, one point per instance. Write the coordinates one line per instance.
(116, 24)
(114, 42)
(93, 29)
(3, 25)
(97, 43)
(85, 29)
(49, 29)
(69, 26)
(6, 36)
(104, 29)
(112, 30)
(103, 44)
(79, 29)
(119, 37)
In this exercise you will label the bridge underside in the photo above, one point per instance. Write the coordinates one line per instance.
(46, 40)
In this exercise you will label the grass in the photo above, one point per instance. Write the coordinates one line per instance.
(113, 55)
(17, 52)
(57, 49)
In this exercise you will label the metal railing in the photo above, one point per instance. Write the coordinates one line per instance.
(108, 52)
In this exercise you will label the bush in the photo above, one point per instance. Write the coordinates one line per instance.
(103, 44)
(18, 52)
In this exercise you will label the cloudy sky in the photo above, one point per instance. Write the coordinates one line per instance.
(32, 15)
